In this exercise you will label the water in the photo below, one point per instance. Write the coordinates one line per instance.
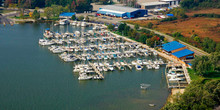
(34, 78)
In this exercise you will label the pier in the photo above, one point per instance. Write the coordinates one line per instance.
(96, 70)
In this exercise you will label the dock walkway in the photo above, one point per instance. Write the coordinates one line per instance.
(96, 70)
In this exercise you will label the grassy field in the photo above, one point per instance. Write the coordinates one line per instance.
(203, 27)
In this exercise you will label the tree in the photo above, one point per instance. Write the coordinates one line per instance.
(136, 26)
(73, 17)
(218, 47)
(126, 30)
(197, 39)
(81, 18)
(111, 27)
(48, 11)
(121, 27)
(143, 38)
(197, 96)
(177, 34)
(150, 25)
(208, 44)
(36, 15)
(0, 2)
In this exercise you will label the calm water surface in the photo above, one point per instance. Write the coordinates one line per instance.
(32, 78)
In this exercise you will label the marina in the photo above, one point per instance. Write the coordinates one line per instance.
(98, 51)
(40, 77)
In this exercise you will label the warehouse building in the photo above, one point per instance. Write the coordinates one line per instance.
(121, 11)
(153, 5)
(159, 4)
(178, 51)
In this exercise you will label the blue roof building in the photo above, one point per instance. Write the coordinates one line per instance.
(172, 46)
(183, 53)
(121, 11)
(66, 15)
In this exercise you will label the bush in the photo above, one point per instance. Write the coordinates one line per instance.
(207, 15)
(169, 19)
(150, 25)
(73, 17)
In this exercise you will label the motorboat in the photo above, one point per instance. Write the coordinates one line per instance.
(157, 67)
(83, 24)
(84, 76)
(138, 67)
(144, 86)
(149, 66)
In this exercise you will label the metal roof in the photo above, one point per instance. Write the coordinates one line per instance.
(67, 14)
(172, 46)
(154, 3)
(182, 53)
(120, 8)
(110, 11)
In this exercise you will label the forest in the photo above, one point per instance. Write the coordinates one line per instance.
(195, 4)
(73, 5)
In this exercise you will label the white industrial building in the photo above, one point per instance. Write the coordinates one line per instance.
(159, 4)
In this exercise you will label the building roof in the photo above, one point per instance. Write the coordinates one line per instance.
(172, 46)
(182, 53)
(154, 3)
(107, 11)
(119, 8)
(67, 14)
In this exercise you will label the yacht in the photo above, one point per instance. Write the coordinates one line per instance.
(149, 66)
(63, 22)
(84, 76)
(175, 78)
(83, 24)
(157, 67)
(74, 23)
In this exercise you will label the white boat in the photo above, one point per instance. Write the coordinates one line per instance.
(74, 23)
(58, 50)
(83, 24)
(157, 67)
(78, 24)
(144, 86)
(63, 22)
(149, 66)
(84, 76)
(175, 78)
(155, 53)
(45, 42)
(145, 62)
